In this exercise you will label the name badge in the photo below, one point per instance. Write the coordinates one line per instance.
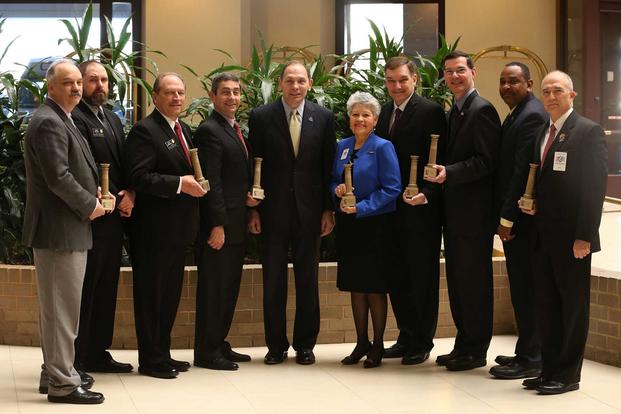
(345, 153)
(560, 161)
(170, 144)
(97, 132)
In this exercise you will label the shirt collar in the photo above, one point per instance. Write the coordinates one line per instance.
(231, 121)
(460, 102)
(403, 104)
(94, 109)
(288, 109)
(61, 108)
(171, 122)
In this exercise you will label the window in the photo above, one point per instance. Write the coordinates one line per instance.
(422, 21)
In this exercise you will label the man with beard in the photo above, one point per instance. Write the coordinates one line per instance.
(104, 133)
(522, 124)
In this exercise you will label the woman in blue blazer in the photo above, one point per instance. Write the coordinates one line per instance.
(363, 235)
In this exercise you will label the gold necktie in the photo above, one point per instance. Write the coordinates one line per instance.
(294, 130)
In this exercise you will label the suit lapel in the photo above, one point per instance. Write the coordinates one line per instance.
(112, 143)
(231, 132)
(307, 125)
(281, 122)
(117, 146)
(407, 114)
(76, 134)
(459, 117)
(163, 123)
(562, 138)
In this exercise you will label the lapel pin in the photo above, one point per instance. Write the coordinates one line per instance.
(561, 137)
(310, 119)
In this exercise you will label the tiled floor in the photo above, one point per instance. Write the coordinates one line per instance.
(326, 387)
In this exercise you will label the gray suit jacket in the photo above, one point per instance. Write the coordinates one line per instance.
(62, 179)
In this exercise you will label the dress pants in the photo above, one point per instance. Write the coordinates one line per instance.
(99, 292)
(219, 277)
(469, 276)
(158, 279)
(519, 259)
(414, 295)
(305, 257)
(60, 276)
(562, 298)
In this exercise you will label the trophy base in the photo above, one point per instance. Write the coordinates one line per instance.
(349, 201)
(526, 203)
(430, 172)
(108, 204)
(205, 184)
(411, 191)
(258, 193)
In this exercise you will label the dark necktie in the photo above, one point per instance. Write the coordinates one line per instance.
(182, 141)
(549, 142)
(241, 137)
(105, 123)
(398, 112)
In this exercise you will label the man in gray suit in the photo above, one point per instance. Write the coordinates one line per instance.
(61, 200)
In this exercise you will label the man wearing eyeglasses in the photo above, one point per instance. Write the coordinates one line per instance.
(467, 178)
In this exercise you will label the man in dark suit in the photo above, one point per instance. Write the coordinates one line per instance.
(165, 222)
(521, 126)
(408, 122)
(104, 133)
(570, 189)
(61, 179)
(471, 156)
(220, 249)
(295, 138)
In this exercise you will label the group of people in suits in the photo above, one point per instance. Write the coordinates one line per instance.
(388, 240)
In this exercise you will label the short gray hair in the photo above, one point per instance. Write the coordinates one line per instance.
(51, 70)
(365, 99)
(565, 76)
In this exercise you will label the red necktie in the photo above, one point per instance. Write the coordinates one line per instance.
(182, 141)
(241, 137)
(548, 143)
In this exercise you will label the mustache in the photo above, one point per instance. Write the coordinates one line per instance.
(77, 94)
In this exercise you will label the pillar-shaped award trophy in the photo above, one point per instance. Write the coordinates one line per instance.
(106, 198)
(349, 199)
(429, 171)
(527, 201)
(198, 172)
(257, 192)
(412, 189)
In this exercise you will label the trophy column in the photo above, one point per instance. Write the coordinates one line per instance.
(349, 199)
(257, 192)
(429, 171)
(106, 198)
(527, 201)
(412, 189)
(198, 172)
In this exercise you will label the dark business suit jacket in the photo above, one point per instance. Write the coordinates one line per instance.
(286, 179)
(227, 167)
(155, 161)
(61, 185)
(471, 157)
(519, 132)
(418, 229)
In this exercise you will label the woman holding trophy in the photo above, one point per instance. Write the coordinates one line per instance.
(366, 183)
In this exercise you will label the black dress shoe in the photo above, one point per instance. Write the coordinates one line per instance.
(397, 350)
(236, 356)
(180, 366)
(86, 381)
(556, 387)
(359, 351)
(162, 370)
(374, 358)
(465, 362)
(504, 359)
(273, 358)
(110, 366)
(305, 357)
(532, 383)
(414, 359)
(515, 370)
(220, 364)
(443, 359)
(78, 396)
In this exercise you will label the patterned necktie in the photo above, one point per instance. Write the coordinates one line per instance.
(294, 130)
(551, 138)
(241, 137)
(398, 112)
(182, 141)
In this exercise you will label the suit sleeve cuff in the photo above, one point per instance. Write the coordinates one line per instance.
(179, 188)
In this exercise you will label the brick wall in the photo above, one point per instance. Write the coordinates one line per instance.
(604, 342)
